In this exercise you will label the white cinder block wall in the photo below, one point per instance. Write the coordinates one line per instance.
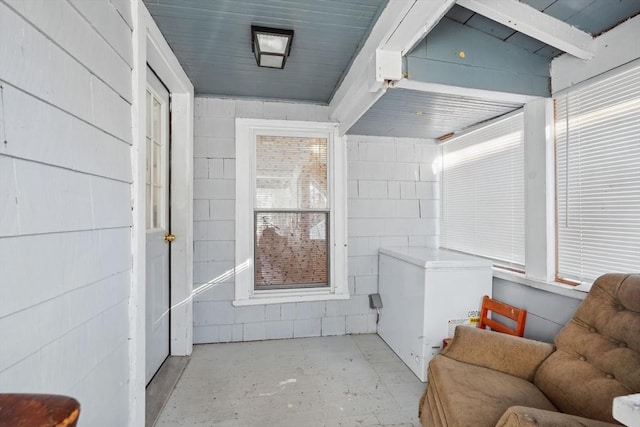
(392, 201)
(65, 202)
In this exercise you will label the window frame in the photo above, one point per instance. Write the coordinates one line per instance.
(539, 216)
(583, 280)
(161, 221)
(245, 141)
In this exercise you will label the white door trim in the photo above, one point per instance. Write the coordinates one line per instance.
(149, 46)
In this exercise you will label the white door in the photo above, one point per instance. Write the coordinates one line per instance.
(158, 221)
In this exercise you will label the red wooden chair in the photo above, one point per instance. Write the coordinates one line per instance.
(489, 304)
(514, 313)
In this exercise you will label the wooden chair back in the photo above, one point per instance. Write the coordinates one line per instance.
(514, 313)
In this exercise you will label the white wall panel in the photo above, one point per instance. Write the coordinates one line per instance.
(124, 10)
(19, 330)
(301, 328)
(47, 265)
(254, 331)
(52, 74)
(110, 200)
(207, 147)
(51, 199)
(333, 326)
(50, 135)
(24, 377)
(62, 23)
(65, 203)
(110, 377)
(9, 220)
(40, 67)
(110, 111)
(104, 16)
(97, 297)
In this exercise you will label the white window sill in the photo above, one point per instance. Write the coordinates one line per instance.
(577, 292)
(277, 299)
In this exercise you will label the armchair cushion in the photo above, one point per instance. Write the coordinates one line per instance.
(468, 393)
(601, 347)
(520, 416)
(501, 352)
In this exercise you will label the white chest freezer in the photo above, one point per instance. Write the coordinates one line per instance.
(425, 293)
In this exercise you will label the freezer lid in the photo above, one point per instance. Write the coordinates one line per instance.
(431, 258)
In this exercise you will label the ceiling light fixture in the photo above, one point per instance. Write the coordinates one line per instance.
(271, 46)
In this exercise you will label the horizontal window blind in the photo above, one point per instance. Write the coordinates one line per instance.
(598, 177)
(482, 210)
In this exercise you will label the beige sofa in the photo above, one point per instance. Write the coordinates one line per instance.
(489, 379)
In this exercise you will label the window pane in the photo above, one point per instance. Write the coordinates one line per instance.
(483, 192)
(157, 120)
(148, 207)
(157, 158)
(156, 207)
(149, 114)
(291, 172)
(598, 177)
(291, 249)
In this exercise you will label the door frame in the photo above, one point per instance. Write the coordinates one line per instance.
(150, 47)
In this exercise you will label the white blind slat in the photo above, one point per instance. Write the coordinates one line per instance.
(598, 177)
(483, 192)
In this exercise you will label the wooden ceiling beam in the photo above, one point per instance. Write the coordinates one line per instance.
(527, 20)
(402, 24)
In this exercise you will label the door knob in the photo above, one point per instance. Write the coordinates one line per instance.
(169, 237)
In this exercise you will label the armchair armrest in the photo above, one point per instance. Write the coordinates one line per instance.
(501, 352)
(520, 416)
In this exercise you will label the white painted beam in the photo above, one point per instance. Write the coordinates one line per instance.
(539, 202)
(614, 48)
(358, 90)
(423, 16)
(487, 95)
(527, 20)
(401, 25)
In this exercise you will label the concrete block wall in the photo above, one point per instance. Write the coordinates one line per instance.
(392, 200)
(65, 202)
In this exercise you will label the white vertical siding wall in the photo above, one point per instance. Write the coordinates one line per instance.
(65, 202)
(392, 201)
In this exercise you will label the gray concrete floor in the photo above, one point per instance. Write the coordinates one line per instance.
(352, 380)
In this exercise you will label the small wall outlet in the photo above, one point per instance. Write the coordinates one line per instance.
(375, 301)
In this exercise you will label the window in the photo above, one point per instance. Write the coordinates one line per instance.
(290, 217)
(598, 176)
(482, 210)
(291, 212)
(157, 158)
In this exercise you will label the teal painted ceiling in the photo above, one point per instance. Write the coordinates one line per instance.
(212, 41)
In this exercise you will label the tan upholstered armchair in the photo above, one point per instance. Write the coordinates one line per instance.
(489, 379)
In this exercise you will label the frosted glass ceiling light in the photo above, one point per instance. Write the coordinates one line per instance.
(271, 46)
